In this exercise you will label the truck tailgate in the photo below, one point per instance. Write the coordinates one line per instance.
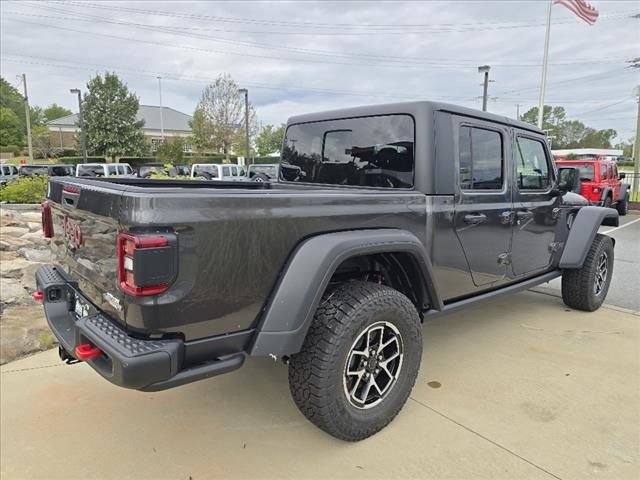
(84, 243)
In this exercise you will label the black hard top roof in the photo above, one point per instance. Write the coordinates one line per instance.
(411, 108)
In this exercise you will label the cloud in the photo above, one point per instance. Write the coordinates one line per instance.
(304, 56)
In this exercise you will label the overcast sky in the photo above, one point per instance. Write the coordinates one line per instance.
(297, 57)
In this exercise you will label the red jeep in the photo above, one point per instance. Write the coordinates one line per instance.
(600, 183)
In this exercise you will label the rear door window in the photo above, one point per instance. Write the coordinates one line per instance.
(112, 170)
(481, 159)
(366, 151)
(225, 171)
(532, 165)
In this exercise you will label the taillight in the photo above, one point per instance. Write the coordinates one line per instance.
(47, 219)
(596, 189)
(146, 263)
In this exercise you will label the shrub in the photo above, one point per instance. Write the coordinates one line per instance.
(25, 190)
(76, 160)
(16, 150)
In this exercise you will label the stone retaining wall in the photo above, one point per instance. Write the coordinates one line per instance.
(23, 248)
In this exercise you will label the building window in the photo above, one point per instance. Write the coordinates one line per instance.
(155, 144)
(187, 148)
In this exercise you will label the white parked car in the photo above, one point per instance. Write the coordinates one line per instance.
(7, 172)
(104, 170)
(218, 171)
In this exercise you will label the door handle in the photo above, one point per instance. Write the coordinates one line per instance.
(524, 215)
(475, 218)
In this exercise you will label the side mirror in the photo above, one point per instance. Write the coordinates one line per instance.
(622, 176)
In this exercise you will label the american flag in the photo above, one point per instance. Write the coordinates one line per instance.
(581, 8)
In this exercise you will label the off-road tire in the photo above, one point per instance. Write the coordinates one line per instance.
(623, 206)
(578, 284)
(316, 373)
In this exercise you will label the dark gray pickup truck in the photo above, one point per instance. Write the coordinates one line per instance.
(383, 216)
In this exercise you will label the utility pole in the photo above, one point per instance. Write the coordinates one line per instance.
(246, 119)
(545, 61)
(517, 111)
(636, 148)
(161, 110)
(28, 115)
(485, 69)
(81, 121)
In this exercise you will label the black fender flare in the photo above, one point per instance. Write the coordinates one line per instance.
(583, 231)
(624, 192)
(288, 314)
(605, 193)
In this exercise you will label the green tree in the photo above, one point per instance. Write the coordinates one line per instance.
(171, 152)
(110, 110)
(43, 145)
(10, 128)
(270, 139)
(54, 111)
(569, 133)
(219, 116)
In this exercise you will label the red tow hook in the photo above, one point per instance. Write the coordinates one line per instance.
(38, 296)
(86, 351)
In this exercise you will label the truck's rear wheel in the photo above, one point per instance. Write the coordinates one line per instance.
(359, 360)
(586, 288)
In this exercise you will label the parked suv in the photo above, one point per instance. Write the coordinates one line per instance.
(601, 183)
(382, 217)
(104, 170)
(50, 170)
(218, 171)
(7, 172)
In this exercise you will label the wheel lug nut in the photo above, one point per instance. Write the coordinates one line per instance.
(377, 371)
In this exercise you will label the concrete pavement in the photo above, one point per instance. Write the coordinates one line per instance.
(519, 387)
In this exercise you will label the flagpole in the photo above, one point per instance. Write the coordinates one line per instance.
(543, 81)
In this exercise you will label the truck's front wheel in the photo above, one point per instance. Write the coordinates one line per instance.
(359, 360)
(586, 288)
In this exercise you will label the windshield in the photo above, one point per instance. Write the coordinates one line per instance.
(366, 151)
(90, 171)
(148, 170)
(61, 171)
(205, 171)
(586, 172)
(33, 170)
(268, 170)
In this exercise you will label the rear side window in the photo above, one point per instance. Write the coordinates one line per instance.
(603, 172)
(480, 156)
(225, 171)
(112, 170)
(366, 151)
(532, 167)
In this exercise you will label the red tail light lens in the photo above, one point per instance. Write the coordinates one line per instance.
(128, 257)
(47, 219)
(596, 189)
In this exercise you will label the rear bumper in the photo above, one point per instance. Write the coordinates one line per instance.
(129, 362)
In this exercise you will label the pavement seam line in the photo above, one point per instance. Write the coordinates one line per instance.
(622, 226)
(31, 368)
(493, 442)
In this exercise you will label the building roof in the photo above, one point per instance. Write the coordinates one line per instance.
(588, 151)
(173, 120)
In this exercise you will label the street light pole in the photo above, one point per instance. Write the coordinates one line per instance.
(83, 135)
(636, 148)
(485, 69)
(161, 110)
(246, 119)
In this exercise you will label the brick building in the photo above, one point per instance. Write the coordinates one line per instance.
(176, 125)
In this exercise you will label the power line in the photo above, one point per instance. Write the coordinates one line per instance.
(341, 26)
(85, 66)
(331, 54)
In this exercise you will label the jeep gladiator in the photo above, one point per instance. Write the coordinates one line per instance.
(383, 216)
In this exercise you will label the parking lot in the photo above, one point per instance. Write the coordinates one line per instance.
(520, 387)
